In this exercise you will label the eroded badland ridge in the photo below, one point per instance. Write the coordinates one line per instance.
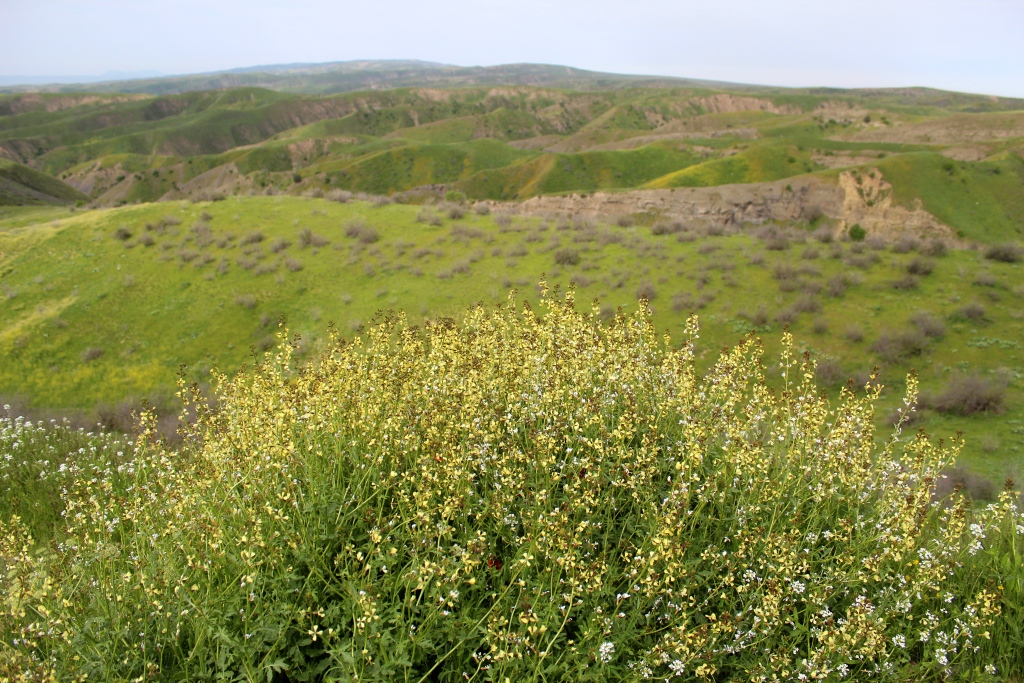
(887, 160)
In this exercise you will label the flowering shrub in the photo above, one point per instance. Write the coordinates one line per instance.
(517, 498)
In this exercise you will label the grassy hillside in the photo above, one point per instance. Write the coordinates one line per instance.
(944, 153)
(111, 303)
(21, 185)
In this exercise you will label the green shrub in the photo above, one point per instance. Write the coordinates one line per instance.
(857, 233)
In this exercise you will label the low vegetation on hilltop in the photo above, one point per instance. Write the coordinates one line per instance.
(526, 495)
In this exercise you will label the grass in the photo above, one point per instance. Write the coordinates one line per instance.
(70, 285)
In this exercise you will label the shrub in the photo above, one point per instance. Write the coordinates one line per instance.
(823, 234)
(91, 354)
(1007, 253)
(972, 312)
(567, 257)
(280, 245)
(307, 238)
(828, 372)
(934, 247)
(810, 253)
(415, 501)
(340, 196)
(663, 228)
(246, 301)
(123, 233)
(957, 479)
(854, 334)
(904, 244)
(646, 291)
(857, 233)
(482, 209)
(928, 325)
(252, 238)
(624, 221)
(986, 279)
(893, 347)
(146, 240)
(906, 282)
(920, 266)
(359, 230)
(836, 287)
(969, 395)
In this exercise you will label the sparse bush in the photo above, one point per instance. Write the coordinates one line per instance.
(920, 266)
(969, 395)
(810, 253)
(758, 318)
(836, 287)
(246, 263)
(340, 196)
(146, 240)
(280, 245)
(986, 279)
(828, 372)
(954, 480)
(875, 243)
(92, 353)
(246, 301)
(357, 229)
(455, 212)
(307, 238)
(820, 326)
(123, 233)
(929, 325)
(252, 238)
(935, 248)
(906, 282)
(646, 291)
(567, 257)
(905, 244)
(663, 228)
(895, 347)
(503, 220)
(1006, 253)
(823, 234)
(624, 221)
(972, 312)
(756, 259)
(854, 334)
(481, 209)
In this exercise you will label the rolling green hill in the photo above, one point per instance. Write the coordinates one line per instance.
(21, 185)
(940, 151)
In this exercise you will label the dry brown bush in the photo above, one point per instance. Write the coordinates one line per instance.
(969, 395)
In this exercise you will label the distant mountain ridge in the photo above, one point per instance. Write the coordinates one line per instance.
(339, 77)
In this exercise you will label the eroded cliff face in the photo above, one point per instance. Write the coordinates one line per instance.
(863, 198)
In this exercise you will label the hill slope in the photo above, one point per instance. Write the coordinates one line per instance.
(20, 185)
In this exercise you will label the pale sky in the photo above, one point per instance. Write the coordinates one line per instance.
(969, 45)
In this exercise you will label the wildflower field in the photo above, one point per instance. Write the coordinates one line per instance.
(523, 495)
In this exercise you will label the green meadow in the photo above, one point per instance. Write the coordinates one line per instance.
(104, 305)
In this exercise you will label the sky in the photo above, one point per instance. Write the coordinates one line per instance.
(968, 45)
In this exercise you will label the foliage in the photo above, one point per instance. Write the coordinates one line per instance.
(523, 496)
